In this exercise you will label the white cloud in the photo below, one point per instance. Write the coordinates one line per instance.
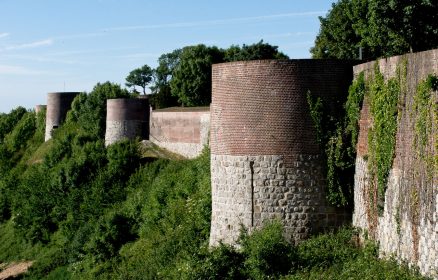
(36, 44)
(218, 21)
(2, 35)
(18, 70)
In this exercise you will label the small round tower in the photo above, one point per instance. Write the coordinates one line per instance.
(58, 104)
(265, 161)
(40, 108)
(126, 118)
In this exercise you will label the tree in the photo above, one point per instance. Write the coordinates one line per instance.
(381, 27)
(140, 77)
(191, 78)
(255, 51)
(161, 96)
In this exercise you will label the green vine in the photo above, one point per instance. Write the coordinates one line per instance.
(383, 98)
(425, 111)
(337, 136)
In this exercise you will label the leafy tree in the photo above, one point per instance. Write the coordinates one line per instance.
(191, 78)
(140, 77)
(89, 111)
(255, 51)
(161, 96)
(382, 28)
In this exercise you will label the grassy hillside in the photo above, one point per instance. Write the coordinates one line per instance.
(80, 210)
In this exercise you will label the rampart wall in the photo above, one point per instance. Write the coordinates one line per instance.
(58, 104)
(184, 131)
(127, 118)
(407, 228)
(265, 160)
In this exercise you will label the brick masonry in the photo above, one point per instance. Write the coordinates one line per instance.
(265, 161)
(408, 228)
(184, 131)
(127, 118)
(58, 104)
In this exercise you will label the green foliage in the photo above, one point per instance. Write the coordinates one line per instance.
(334, 137)
(140, 77)
(267, 253)
(255, 51)
(383, 98)
(356, 94)
(425, 111)
(89, 111)
(382, 28)
(8, 121)
(21, 133)
(191, 78)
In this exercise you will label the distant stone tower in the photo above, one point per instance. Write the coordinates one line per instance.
(58, 104)
(265, 161)
(126, 118)
(40, 108)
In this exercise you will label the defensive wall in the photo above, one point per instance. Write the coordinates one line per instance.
(265, 160)
(407, 228)
(127, 118)
(184, 131)
(58, 104)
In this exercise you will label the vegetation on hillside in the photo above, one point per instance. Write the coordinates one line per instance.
(80, 210)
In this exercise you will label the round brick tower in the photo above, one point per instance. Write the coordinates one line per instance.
(58, 104)
(126, 118)
(265, 160)
(40, 108)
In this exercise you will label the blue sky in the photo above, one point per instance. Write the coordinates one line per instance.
(57, 45)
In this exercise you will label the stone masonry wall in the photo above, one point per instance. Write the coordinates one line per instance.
(184, 131)
(407, 228)
(58, 104)
(247, 190)
(265, 161)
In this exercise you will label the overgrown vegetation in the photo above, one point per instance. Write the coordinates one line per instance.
(425, 111)
(383, 98)
(337, 136)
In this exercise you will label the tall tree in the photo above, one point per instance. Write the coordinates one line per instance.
(140, 77)
(191, 78)
(381, 27)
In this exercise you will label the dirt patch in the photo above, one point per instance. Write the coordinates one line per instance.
(11, 270)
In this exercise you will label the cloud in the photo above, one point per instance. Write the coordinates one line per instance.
(36, 44)
(18, 70)
(218, 21)
(2, 35)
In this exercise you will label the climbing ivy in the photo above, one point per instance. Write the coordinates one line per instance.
(337, 137)
(425, 111)
(383, 98)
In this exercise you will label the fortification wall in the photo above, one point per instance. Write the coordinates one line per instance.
(265, 161)
(407, 228)
(184, 131)
(58, 104)
(127, 118)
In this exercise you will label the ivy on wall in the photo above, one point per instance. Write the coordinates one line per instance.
(337, 137)
(383, 98)
(425, 111)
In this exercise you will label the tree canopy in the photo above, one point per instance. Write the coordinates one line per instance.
(140, 77)
(380, 27)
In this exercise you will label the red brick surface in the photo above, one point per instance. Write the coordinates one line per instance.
(260, 107)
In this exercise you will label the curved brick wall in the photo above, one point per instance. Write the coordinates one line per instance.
(126, 118)
(265, 161)
(58, 104)
(407, 228)
(40, 108)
